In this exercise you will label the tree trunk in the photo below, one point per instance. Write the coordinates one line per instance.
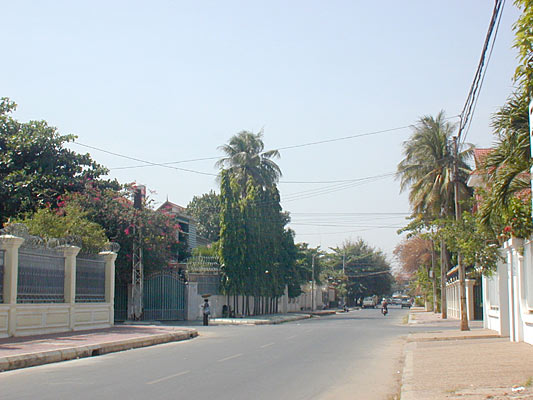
(444, 267)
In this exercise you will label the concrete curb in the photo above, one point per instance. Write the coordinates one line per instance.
(47, 357)
(447, 338)
(251, 321)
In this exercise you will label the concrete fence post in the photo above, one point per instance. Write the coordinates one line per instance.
(70, 253)
(109, 258)
(10, 245)
(470, 298)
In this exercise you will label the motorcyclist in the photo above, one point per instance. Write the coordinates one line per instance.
(384, 304)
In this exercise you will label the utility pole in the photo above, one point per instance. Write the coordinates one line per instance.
(313, 283)
(443, 272)
(137, 273)
(433, 276)
(344, 270)
(460, 265)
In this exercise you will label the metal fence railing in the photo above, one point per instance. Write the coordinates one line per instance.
(207, 284)
(41, 276)
(2, 255)
(90, 279)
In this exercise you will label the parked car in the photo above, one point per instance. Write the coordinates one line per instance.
(406, 302)
(369, 302)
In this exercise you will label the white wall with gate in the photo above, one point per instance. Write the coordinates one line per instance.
(39, 298)
(508, 293)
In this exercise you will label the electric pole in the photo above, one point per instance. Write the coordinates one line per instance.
(313, 283)
(460, 265)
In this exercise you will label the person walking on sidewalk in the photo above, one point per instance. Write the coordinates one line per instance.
(206, 311)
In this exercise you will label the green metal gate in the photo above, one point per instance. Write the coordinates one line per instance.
(121, 301)
(478, 301)
(164, 297)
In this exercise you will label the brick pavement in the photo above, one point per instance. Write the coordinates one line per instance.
(478, 364)
(20, 352)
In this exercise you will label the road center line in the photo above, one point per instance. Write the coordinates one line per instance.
(291, 337)
(266, 345)
(168, 377)
(230, 357)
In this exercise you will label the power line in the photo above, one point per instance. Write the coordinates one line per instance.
(471, 100)
(169, 164)
(485, 70)
(144, 161)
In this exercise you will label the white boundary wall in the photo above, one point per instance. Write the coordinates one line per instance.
(216, 302)
(508, 293)
(40, 318)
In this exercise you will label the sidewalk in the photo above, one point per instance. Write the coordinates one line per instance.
(21, 352)
(443, 362)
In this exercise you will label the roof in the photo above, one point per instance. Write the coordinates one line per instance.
(175, 209)
(480, 155)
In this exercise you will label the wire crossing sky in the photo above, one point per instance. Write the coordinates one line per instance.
(152, 89)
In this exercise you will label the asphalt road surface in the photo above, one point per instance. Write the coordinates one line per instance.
(353, 355)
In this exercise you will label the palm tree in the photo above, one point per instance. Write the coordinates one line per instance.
(245, 159)
(427, 170)
(509, 164)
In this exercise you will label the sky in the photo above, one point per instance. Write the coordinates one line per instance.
(171, 81)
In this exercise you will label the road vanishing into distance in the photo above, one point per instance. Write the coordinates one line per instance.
(355, 355)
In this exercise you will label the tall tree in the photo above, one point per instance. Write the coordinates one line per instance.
(245, 157)
(35, 166)
(367, 270)
(427, 171)
(427, 168)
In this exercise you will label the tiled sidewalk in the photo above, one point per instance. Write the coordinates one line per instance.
(444, 363)
(28, 351)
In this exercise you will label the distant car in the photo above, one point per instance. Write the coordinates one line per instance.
(396, 301)
(406, 302)
(369, 302)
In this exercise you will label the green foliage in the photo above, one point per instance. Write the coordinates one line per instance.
(69, 220)
(301, 270)
(367, 271)
(206, 211)
(246, 159)
(35, 167)
(211, 251)
(428, 165)
(524, 43)
(470, 237)
(113, 210)
(517, 217)
(257, 253)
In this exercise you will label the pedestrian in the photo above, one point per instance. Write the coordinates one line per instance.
(206, 311)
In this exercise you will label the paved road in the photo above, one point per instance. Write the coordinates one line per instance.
(346, 356)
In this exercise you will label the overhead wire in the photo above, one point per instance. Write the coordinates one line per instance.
(484, 72)
(169, 164)
(471, 100)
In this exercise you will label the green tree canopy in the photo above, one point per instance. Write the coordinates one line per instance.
(206, 211)
(114, 211)
(246, 158)
(427, 168)
(367, 271)
(67, 221)
(35, 167)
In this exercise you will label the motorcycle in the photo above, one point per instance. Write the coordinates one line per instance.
(384, 311)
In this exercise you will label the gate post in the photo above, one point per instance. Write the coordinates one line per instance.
(70, 253)
(10, 244)
(109, 258)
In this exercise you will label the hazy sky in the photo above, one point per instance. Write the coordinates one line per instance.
(166, 81)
